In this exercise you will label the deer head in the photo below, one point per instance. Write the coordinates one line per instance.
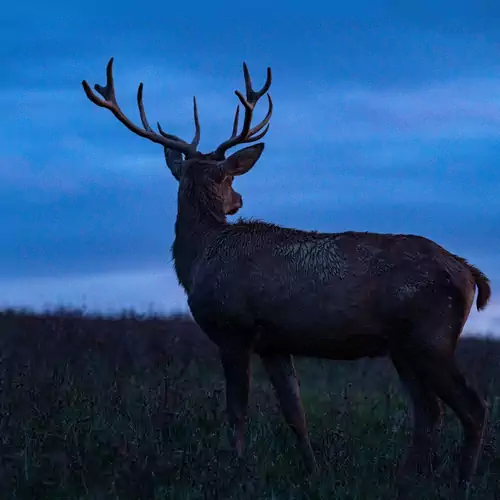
(211, 171)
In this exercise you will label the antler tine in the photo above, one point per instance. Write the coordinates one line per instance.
(248, 81)
(256, 137)
(266, 119)
(235, 122)
(109, 101)
(253, 95)
(249, 101)
(258, 127)
(164, 134)
(142, 113)
(196, 138)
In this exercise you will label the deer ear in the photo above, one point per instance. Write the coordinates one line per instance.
(242, 161)
(174, 162)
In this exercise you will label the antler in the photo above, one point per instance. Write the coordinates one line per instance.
(247, 134)
(168, 141)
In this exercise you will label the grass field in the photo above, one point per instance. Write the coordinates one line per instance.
(133, 408)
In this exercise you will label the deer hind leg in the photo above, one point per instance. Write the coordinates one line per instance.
(237, 366)
(281, 372)
(441, 374)
(427, 417)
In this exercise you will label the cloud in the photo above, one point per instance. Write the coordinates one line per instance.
(143, 290)
(462, 108)
(89, 175)
(381, 127)
(465, 108)
(403, 137)
(459, 108)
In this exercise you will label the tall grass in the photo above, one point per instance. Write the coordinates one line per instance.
(133, 408)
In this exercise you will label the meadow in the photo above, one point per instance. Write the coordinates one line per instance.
(132, 407)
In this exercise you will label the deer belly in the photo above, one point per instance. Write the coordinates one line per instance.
(347, 347)
(341, 334)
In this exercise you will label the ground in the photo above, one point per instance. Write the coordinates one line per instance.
(133, 408)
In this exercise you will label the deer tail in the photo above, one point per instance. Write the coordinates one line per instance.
(483, 287)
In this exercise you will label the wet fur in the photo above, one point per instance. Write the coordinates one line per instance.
(255, 287)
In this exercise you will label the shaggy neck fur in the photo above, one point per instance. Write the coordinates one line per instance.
(200, 218)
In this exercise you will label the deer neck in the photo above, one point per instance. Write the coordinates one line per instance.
(199, 220)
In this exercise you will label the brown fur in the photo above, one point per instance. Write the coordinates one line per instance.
(255, 287)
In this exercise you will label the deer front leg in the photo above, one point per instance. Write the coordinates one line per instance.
(236, 365)
(281, 372)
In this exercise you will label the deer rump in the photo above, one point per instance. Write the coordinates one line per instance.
(343, 295)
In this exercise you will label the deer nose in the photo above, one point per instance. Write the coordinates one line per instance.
(238, 201)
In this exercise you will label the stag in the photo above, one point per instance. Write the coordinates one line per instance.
(258, 288)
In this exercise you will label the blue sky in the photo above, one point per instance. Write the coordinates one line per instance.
(387, 118)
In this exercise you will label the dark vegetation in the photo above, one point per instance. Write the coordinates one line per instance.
(132, 407)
